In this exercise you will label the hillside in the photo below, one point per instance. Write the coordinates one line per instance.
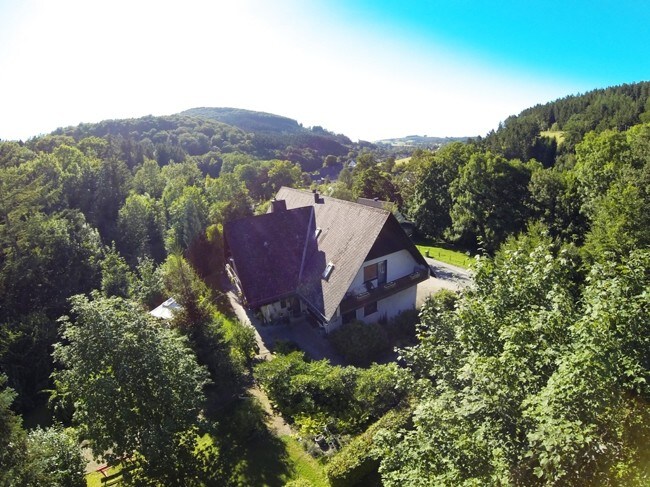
(567, 120)
(545, 358)
(282, 137)
(248, 120)
(210, 133)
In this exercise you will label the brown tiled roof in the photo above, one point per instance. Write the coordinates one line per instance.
(267, 250)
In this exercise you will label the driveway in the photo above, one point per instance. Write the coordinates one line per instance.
(312, 340)
(447, 276)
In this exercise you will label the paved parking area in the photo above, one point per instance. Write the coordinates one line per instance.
(309, 338)
(446, 277)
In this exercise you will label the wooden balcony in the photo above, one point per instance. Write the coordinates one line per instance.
(355, 301)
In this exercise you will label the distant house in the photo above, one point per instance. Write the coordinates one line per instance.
(330, 173)
(166, 310)
(333, 260)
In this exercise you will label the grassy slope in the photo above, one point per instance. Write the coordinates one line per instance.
(447, 255)
(305, 466)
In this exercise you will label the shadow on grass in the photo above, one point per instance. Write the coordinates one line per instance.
(248, 450)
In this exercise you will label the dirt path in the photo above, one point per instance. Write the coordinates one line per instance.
(263, 352)
(275, 422)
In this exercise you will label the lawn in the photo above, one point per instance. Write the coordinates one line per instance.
(257, 455)
(304, 465)
(94, 479)
(405, 160)
(444, 253)
(266, 460)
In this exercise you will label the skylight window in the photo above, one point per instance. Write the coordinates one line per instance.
(328, 271)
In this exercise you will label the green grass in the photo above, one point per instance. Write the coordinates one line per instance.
(404, 160)
(253, 455)
(94, 479)
(258, 457)
(445, 254)
(304, 465)
(558, 135)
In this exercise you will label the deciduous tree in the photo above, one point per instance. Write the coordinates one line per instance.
(135, 386)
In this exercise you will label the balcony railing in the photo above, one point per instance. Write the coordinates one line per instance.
(354, 301)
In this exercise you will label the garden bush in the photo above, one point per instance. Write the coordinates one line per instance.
(360, 343)
(358, 459)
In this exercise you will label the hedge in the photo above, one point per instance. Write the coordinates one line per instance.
(356, 461)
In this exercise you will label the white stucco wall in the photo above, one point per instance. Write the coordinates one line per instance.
(391, 306)
(399, 264)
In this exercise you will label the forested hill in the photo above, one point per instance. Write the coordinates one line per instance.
(547, 131)
(537, 374)
(209, 134)
(282, 135)
(248, 120)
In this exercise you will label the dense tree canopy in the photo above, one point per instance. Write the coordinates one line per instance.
(535, 375)
(524, 383)
(134, 385)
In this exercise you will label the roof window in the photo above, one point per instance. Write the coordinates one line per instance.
(328, 271)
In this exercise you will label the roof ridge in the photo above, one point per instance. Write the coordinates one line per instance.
(336, 200)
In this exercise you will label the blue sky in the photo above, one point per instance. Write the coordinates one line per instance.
(369, 69)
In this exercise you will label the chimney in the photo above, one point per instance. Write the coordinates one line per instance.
(316, 197)
(278, 206)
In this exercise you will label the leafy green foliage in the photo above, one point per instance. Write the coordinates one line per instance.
(535, 376)
(489, 199)
(360, 458)
(344, 397)
(54, 459)
(524, 383)
(373, 183)
(617, 107)
(359, 343)
(12, 439)
(135, 386)
(431, 202)
(116, 277)
(141, 223)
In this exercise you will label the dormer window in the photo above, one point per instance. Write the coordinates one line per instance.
(328, 271)
(318, 232)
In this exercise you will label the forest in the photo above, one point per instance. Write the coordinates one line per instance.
(537, 374)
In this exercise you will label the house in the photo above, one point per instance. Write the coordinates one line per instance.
(335, 261)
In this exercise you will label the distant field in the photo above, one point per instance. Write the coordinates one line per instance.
(558, 135)
(449, 256)
(402, 161)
